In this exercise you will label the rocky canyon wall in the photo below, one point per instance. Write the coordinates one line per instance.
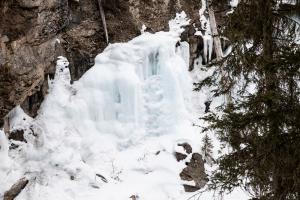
(34, 33)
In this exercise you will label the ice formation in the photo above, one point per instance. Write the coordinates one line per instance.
(109, 126)
(111, 134)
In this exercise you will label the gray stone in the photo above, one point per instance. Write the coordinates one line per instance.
(194, 171)
(190, 188)
(180, 156)
(187, 147)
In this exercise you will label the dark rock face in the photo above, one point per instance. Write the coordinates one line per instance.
(34, 33)
(155, 14)
(196, 42)
(29, 48)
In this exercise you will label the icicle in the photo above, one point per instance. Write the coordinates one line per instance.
(176, 24)
(205, 44)
(210, 48)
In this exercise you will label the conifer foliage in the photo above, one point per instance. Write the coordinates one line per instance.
(207, 149)
(261, 125)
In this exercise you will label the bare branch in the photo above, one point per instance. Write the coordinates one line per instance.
(103, 20)
(16, 189)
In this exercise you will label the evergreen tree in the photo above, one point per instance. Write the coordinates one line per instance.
(207, 149)
(260, 125)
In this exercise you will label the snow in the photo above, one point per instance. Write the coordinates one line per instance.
(143, 29)
(202, 9)
(5, 160)
(296, 18)
(18, 119)
(234, 3)
(177, 24)
(292, 2)
(112, 134)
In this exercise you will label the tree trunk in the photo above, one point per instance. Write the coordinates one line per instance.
(215, 34)
(218, 49)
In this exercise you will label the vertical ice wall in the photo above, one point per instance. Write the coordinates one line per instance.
(137, 84)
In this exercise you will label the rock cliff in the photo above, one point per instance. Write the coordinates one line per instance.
(34, 33)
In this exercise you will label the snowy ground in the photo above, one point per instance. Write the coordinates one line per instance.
(112, 134)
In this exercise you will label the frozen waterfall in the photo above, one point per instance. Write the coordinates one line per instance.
(120, 121)
(111, 134)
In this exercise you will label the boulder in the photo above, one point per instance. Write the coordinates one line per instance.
(194, 171)
(180, 156)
